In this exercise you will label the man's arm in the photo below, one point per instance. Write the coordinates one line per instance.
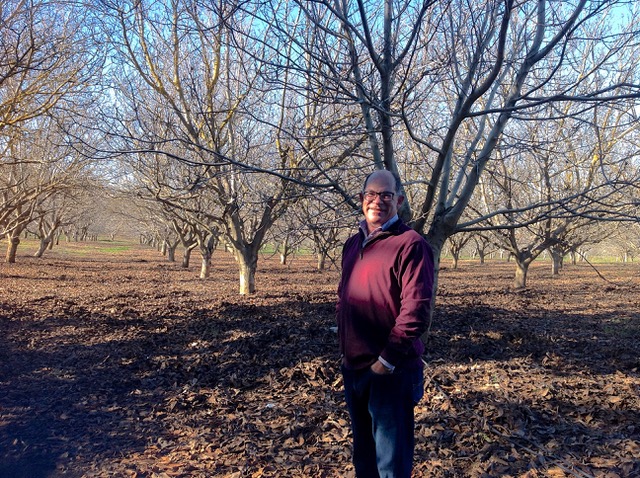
(416, 276)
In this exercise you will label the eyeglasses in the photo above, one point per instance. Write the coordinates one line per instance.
(386, 196)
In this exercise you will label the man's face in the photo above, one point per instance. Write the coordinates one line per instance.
(376, 208)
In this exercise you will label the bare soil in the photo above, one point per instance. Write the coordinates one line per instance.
(126, 365)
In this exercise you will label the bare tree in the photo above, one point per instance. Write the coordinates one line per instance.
(559, 178)
(436, 84)
(188, 238)
(50, 216)
(286, 235)
(46, 55)
(483, 246)
(194, 93)
(457, 243)
(36, 168)
(47, 61)
(623, 242)
(328, 224)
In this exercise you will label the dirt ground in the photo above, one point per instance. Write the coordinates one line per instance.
(125, 365)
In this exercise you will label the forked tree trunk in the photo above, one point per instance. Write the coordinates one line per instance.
(207, 246)
(186, 255)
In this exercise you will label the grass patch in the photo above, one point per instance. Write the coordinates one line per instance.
(79, 249)
(93, 247)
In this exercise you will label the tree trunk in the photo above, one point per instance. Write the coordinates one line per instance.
(556, 263)
(171, 250)
(456, 257)
(481, 255)
(247, 265)
(12, 248)
(207, 246)
(171, 254)
(45, 242)
(205, 268)
(436, 247)
(186, 255)
(520, 280)
(322, 260)
(284, 251)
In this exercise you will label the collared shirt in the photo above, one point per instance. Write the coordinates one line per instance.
(370, 236)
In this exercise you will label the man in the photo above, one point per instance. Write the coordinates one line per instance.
(384, 301)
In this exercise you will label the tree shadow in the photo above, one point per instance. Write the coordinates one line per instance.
(82, 387)
(565, 342)
(516, 391)
(76, 387)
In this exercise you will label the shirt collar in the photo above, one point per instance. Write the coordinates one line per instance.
(385, 227)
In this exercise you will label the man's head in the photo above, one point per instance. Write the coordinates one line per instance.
(380, 198)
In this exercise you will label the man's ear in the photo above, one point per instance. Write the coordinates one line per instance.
(361, 196)
(400, 199)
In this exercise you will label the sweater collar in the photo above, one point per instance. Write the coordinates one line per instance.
(385, 227)
(368, 237)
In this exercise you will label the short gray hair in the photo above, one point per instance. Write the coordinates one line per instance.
(396, 178)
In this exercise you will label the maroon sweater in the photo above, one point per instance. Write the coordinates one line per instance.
(384, 298)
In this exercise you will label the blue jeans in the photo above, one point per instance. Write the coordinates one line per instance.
(381, 410)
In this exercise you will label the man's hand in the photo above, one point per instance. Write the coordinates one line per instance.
(379, 368)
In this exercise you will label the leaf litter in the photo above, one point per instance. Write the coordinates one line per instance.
(131, 366)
